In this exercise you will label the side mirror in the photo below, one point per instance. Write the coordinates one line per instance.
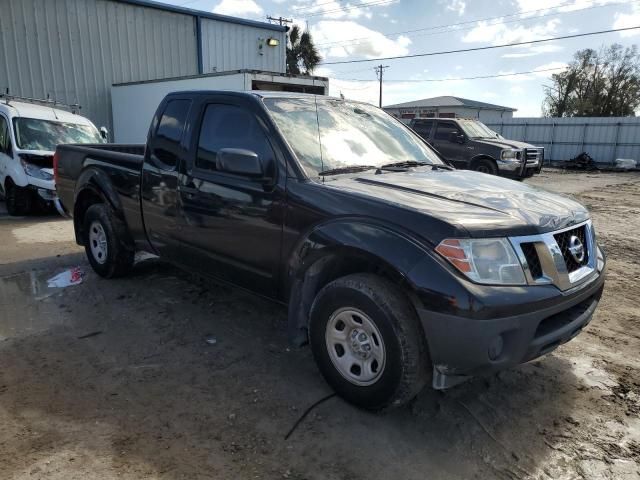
(455, 137)
(104, 133)
(239, 161)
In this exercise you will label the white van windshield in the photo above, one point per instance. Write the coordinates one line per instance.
(37, 134)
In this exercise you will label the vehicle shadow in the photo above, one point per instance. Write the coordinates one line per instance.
(123, 383)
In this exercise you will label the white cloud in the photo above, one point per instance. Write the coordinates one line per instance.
(516, 90)
(335, 9)
(458, 6)
(540, 7)
(625, 20)
(334, 39)
(533, 50)
(238, 8)
(498, 33)
(538, 73)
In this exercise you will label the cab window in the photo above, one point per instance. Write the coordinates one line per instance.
(229, 126)
(443, 132)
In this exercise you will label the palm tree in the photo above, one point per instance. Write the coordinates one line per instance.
(302, 54)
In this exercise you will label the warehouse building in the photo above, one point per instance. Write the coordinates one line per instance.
(73, 51)
(450, 107)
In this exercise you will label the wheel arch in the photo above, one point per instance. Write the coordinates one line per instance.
(92, 187)
(482, 156)
(341, 248)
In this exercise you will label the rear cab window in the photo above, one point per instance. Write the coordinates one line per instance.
(423, 127)
(166, 147)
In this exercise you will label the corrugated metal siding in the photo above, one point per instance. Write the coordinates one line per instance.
(228, 46)
(605, 139)
(75, 50)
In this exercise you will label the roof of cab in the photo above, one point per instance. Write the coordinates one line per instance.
(43, 112)
(257, 93)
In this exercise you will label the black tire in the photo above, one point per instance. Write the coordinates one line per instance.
(118, 259)
(407, 366)
(18, 199)
(485, 165)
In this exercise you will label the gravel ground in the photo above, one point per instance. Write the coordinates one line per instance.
(144, 396)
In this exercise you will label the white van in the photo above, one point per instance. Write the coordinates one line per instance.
(29, 133)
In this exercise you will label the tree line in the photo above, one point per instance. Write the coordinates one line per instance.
(604, 83)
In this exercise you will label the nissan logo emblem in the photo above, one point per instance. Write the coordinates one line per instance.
(576, 248)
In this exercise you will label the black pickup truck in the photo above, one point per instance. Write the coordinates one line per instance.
(396, 268)
(471, 145)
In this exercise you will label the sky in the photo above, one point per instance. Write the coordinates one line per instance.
(367, 29)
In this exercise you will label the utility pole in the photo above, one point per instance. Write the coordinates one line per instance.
(280, 20)
(379, 72)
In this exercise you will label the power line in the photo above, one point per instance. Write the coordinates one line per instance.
(454, 78)
(375, 3)
(488, 47)
(449, 29)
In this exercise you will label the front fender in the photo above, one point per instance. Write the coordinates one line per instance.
(16, 173)
(319, 253)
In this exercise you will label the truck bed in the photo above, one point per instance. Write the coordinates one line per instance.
(121, 163)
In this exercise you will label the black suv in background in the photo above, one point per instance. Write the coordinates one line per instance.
(471, 145)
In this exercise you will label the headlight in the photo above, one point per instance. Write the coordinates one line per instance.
(490, 261)
(510, 154)
(35, 171)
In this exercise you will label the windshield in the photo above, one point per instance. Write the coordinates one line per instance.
(344, 134)
(36, 134)
(475, 129)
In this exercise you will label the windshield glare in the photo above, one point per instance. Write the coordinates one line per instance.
(344, 134)
(36, 134)
(475, 129)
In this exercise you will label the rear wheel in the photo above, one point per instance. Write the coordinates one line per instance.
(368, 343)
(18, 199)
(105, 244)
(485, 165)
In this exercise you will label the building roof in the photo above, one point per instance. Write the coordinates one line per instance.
(450, 101)
(203, 14)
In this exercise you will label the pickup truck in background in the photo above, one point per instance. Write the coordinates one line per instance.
(397, 269)
(29, 132)
(469, 144)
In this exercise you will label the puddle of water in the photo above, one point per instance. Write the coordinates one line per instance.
(21, 307)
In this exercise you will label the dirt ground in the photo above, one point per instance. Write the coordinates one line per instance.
(144, 396)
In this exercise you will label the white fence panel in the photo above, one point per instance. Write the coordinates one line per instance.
(604, 139)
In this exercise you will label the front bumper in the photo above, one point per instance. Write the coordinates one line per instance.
(462, 347)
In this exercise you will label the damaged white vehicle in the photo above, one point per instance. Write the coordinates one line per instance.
(30, 130)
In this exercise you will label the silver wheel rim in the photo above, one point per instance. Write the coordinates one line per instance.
(355, 346)
(98, 242)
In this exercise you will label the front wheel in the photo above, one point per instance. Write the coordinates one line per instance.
(368, 343)
(484, 165)
(104, 243)
(18, 199)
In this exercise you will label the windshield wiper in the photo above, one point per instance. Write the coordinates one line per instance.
(405, 164)
(351, 169)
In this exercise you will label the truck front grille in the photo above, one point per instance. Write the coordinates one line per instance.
(533, 155)
(564, 241)
(563, 258)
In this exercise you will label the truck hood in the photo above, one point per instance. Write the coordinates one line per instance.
(481, 204)
(503, 143)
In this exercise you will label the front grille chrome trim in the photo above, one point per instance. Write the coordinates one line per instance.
(552, 262)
